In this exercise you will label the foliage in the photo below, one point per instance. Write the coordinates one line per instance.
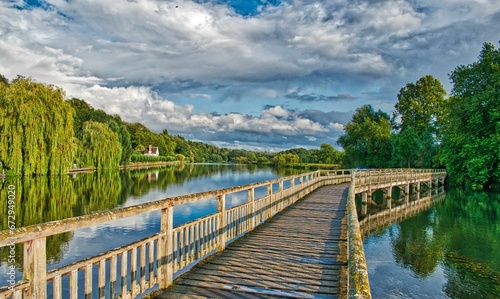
(283, 159)
(37, 128)
(138, 157)
(420, 105)
(367, 138)
(471, 125)
(100, 146)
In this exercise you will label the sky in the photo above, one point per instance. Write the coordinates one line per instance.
(250, 74)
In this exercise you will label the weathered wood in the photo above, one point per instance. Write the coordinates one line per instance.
(124, 273)
(221, 210)
(35, 268)
(113, 276)
(165, 250)
(73, 284)
(88, 282)
(56, 288)
(101, 279)
(285, 256)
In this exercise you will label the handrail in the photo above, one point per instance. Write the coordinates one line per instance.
(358, 284)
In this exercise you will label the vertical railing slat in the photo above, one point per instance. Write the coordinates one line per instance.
(102, 279)
(124, 269)
(56, 288)
(88, 281)
(112, 276)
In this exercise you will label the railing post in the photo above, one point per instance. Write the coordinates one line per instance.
(281, 203)
(166, 248)
(269, 200)
(253, 212)
(221, 209)
(35, 268)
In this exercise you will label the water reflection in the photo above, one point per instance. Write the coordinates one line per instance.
(451, 249)
(43, 199)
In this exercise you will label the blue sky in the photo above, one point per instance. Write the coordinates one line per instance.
(260, 75)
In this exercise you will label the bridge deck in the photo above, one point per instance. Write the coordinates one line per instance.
(299, 253)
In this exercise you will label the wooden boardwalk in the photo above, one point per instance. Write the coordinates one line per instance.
(299, 253)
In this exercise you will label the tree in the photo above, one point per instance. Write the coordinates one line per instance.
(419, 107)
(36, 126)
(471, 125)
(125, 142)
(420, 104)
(367, 138)
(100, 146)
(327, 154)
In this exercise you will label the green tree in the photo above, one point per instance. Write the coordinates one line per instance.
(471, 125)
(125, 142)
(36, 126)
(419, 107)
(367, 138)
(100, 146)
(327, 154)
(420, 104)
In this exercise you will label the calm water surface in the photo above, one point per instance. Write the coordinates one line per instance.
(450, 251)
(45, 199)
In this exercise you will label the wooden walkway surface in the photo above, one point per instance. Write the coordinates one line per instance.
(299, 253)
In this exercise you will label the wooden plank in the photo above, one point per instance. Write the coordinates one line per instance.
(297, 251)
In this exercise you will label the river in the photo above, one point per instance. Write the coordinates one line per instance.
(449, 251)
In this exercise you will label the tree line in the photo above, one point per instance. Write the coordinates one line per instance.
(460, 133)
(44, 133)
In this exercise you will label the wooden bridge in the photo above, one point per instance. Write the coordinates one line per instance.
(310, 249)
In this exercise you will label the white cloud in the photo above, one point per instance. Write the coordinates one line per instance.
(141, 59)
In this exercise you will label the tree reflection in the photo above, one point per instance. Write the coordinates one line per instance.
(416, 245)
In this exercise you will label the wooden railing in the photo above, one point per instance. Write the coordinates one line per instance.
(382, 178)
(130, 270)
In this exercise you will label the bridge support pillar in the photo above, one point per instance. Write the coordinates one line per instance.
(418, 190)
(388, 197)
(364, 203)
(407, 193)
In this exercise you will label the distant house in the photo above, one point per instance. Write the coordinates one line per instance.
(150, 151)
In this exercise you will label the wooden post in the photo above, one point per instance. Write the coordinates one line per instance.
(35, 268)
(253, 212)
(166, 248)
(221, 209)
(281, 197)
(269, 200)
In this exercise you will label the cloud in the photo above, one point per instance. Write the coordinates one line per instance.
(318, 98)
(169, 66)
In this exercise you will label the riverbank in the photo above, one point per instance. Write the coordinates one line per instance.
(136, 165)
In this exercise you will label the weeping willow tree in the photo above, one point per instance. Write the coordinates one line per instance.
(100, 147)
(36, 128)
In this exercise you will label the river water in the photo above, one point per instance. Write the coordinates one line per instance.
(449, 251)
